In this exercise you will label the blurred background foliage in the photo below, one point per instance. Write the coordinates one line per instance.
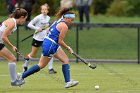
(98, 7)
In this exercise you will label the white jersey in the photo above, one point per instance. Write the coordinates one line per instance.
(39, 21)
(3, 27)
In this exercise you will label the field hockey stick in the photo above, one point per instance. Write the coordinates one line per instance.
(84, 61)
(33, 34)
(19, 53)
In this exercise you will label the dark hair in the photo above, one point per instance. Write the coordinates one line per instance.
(19, 12)
(63, 11)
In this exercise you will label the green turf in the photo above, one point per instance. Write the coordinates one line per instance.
(112, 78)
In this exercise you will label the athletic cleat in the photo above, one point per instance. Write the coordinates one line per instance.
(25, 69)
(21, 80)
(52, 71)
(71, 83)
(17, 83)
(19, 75)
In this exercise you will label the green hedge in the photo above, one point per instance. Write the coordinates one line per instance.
(3, 7)
(109, 7)
(124, 8)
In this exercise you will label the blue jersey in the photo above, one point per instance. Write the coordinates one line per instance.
(53, 32)
(50, 44)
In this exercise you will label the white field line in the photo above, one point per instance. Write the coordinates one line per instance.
(4, 75)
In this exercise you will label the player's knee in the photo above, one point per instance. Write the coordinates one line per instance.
(66, 61)
(12, 59)
(31, 56)
(41, 65)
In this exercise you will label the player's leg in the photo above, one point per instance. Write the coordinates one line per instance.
(65, 68)
(35, 46)
(45, 58)
(50, 67)
(42, 63)
(5, 53)
(30, 55)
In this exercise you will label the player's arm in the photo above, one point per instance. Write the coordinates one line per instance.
(32, 22)
(63, 28)
(9, 26)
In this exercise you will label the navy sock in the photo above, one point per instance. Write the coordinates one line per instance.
(31, 71)
(66, 72)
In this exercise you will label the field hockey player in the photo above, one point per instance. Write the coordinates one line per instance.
(52, 47)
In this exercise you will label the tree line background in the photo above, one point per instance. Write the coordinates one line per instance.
(103, 7)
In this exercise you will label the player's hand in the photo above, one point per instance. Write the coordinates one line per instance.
(70, 50)
(14, 48)
(39, 30)
(47, 30)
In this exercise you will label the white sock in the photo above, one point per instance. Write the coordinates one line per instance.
(12, 70)
(26, 63)
(50, 64)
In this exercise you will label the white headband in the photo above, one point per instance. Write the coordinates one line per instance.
(69, 15)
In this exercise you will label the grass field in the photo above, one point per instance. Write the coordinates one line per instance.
(112, 78)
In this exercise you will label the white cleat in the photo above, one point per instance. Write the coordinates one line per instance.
(20, 79)
(71, 83)
(19, 75)
(17, 83)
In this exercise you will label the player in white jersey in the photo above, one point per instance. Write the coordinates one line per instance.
(38, 23)
(8, 26)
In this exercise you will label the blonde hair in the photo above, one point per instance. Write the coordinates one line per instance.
(46, 5)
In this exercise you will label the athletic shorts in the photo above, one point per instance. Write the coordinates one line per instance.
(36, 43)
(49, 48)
(1, 46)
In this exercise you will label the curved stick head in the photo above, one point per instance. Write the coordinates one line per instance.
(92, 66)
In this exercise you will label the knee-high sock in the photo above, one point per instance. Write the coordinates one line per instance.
(26, 63)
(66, 72)
(50, 64)
(12, 70)
(31, 71)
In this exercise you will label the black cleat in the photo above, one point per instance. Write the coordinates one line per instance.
(25, 69)
(52, 71)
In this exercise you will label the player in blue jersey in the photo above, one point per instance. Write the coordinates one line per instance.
(52, 47)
